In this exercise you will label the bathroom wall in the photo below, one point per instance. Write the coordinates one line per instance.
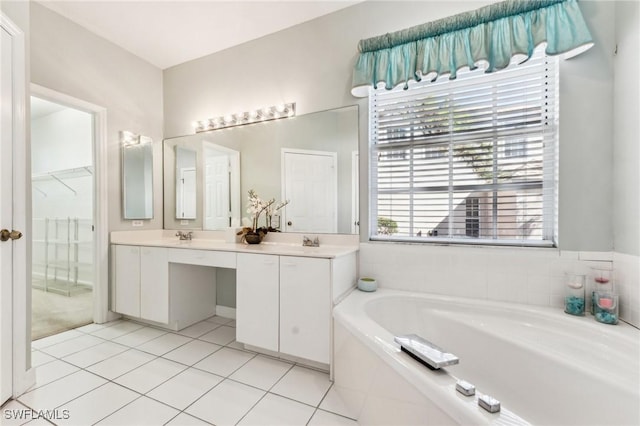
(626, 149)
(626, 158)
(312, 63)
(67, 58)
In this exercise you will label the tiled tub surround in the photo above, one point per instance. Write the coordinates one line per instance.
(627, 284)
(545, 367)
(125, 373)
(533, 276)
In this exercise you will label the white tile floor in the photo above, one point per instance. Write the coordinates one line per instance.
(124, 373)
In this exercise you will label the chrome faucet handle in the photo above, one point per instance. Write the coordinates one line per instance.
(307, 242)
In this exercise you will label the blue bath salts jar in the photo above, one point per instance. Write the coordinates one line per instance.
(574, 299)
(574, 305)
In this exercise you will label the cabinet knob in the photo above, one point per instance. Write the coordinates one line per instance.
(289, 223)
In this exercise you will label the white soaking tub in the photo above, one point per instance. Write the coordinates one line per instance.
(544, 366)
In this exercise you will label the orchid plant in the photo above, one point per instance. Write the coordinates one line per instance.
(271, 210)
(255, 208)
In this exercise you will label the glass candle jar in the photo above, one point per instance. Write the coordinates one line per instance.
(601, 281)
(574, 298)
(606, 307)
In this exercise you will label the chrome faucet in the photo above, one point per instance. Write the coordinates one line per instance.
(307, 242)
(184, 235)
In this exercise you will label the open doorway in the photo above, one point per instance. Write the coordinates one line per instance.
(63, 274)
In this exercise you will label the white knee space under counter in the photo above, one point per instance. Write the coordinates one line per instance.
(284, 292)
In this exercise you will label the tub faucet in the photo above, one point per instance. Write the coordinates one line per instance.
(184, 235)
(307, 242)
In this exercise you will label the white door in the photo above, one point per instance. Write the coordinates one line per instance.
(217, 192)
(6, 219)
(188, 193)
(310, 183)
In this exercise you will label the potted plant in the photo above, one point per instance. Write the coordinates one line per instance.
(254, 234)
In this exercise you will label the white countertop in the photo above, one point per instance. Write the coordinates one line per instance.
(337, 245)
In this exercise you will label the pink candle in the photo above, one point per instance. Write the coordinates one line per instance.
(605, 303)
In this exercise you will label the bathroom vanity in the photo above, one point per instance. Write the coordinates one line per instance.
(284, 292)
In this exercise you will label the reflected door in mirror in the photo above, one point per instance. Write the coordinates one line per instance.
(310, 183)
(185, 183)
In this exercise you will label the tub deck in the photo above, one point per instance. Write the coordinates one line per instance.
(544, 366)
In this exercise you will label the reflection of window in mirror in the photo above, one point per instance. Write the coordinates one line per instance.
(185, 183)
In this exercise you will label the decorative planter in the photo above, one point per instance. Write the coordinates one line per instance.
(252, 238)
(367, 284)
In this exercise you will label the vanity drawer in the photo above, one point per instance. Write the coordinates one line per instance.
(219, 259)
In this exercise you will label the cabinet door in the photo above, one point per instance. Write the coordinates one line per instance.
(257, 300)
(154, 284)
(305, 307)
(126, 280)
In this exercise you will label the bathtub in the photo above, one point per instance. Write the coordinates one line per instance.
(544, 366)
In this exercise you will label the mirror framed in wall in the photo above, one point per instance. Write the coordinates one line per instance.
(310, 160)
(137, 176)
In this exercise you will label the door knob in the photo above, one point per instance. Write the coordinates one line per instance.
(5, 235)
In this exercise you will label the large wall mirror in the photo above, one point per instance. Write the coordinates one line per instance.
(137, 179)
(310, 160)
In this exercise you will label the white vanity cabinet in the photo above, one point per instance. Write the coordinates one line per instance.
(141, 282)
(305, 307)
(172, 287)
(257, 300)
(284, 302)
(284, 292)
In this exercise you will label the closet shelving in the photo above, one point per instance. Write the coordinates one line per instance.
(63, 255)
(62, 176)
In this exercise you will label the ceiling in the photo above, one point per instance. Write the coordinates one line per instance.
(40, 108)
(170, 32)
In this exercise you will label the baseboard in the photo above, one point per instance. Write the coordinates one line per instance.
(225, 312)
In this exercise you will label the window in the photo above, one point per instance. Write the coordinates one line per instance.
(472, 223)
(467, 160)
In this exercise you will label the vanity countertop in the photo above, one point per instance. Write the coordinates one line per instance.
(284, 247)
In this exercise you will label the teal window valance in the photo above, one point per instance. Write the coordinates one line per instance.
(495, 35)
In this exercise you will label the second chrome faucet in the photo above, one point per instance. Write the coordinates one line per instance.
(308, 242)
(184, 235)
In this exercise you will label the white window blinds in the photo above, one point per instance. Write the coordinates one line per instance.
(468, 160)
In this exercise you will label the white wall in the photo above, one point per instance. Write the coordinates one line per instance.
(62, 140)
(312, 63)
(626, 150)
(59, 141)
(69, 59)
(626, 159)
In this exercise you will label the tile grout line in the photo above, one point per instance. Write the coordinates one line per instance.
(187, 367)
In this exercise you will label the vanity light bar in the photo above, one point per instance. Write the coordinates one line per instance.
(249, 117)
(129, 138)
